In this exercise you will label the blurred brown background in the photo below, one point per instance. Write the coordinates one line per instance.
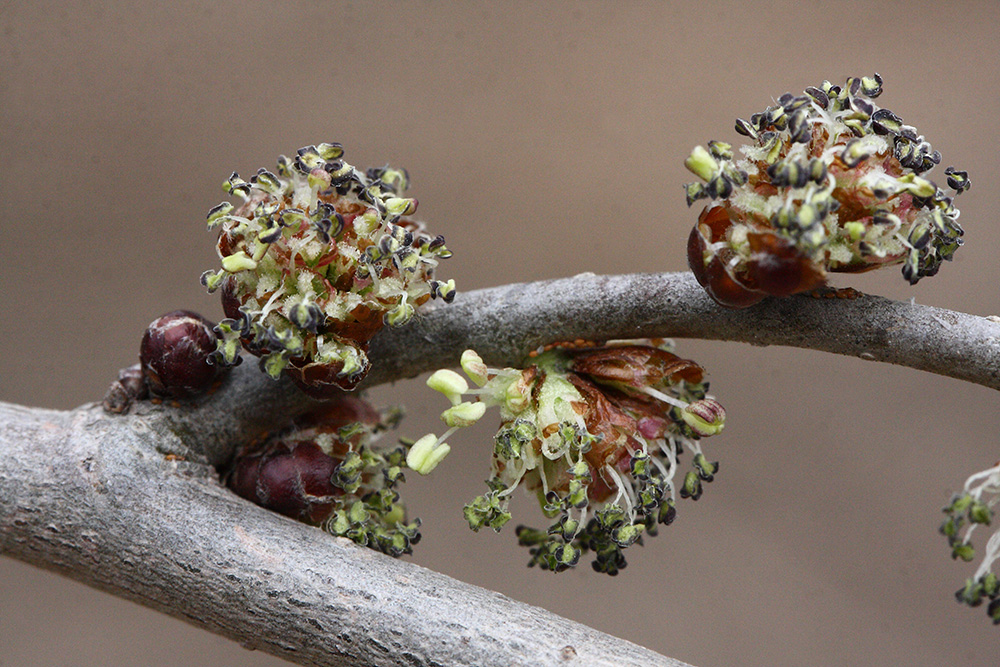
(543, 141)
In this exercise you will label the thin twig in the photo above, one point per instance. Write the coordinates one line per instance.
(504, 323)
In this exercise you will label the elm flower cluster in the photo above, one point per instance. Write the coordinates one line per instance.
(328, 470)
(831, 182)
(315, 260)
(597, 431)
(974, 506)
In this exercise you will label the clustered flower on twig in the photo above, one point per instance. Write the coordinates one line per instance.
(967, 510)
(831, 182)
(328, 469)
(317, 258)
(597, 432)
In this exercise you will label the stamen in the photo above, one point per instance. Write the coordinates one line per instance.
(583, 521)
(267, 308)
(693, 445)
(510, 489)
(662, 468)
(659, 395)
(622, 493)
(982, 477)
(992, 554)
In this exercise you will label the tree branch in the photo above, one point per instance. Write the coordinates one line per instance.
(131, 505)
(504, 323)
(89, 496)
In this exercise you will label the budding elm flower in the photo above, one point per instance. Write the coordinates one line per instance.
(597, 432)
(316, 260)
(328, 470)
(831, 183)
(176, 355)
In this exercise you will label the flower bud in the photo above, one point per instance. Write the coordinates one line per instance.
(321, 255)
(325, 471)
(176, 353)
(597, 432)
(823, 171)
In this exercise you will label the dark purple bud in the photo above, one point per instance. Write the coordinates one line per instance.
(293, 480)
(175, 353)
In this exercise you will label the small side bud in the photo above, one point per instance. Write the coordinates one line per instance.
(175, 355)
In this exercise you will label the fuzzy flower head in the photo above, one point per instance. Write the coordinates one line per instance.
(597, 432)
(830, 182)
(969, 509)
(329, 470)
(315, 260)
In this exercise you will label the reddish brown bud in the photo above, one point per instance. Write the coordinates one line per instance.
(321, 380)
(293, 479)
(708, 264)
(175, 353)
(635, 366)
(775, 266)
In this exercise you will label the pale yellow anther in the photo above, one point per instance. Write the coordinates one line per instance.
(237, 262)
(701, 163)
(449, 383)
(464, 414)
(474, 367)
(425, 454)
(855, 230)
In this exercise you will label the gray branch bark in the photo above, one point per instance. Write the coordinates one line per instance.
(131, 504)
(504, 323)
